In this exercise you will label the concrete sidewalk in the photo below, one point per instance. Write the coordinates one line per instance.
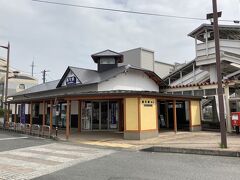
(208, 141)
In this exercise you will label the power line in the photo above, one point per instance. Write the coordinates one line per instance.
(50, 77)
(128, 11)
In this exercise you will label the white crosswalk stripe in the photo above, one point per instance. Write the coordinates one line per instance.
(32, 162)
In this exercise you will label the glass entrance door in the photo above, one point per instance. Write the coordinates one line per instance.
(95, 116)
(104, 115)
(100, 115)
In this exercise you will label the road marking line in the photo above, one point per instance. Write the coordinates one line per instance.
(31, 162)
(13, 138)
(30, 159)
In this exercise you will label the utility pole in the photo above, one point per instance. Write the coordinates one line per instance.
(44, 75)
(32, 66)
(215, 16)
(6, 82)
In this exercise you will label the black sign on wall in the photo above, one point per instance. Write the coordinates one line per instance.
(71, 80)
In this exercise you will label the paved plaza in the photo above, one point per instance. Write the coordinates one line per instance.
(182, 139)
(37, 160)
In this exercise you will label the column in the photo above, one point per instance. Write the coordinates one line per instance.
(68, 119)
(194, 77)
(166, 114)
(175, 116)
(158, 115)
(190, 116)
(206, 41)
(8, 110)
(15, 116)
(51, 115)
(44, 113)
(196, 45)
(79, 116)
(30, 112)
(227, 110)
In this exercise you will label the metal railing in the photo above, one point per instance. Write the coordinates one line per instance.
(46, 128)
(34, 129)
(20, 127)
(11, 126)
(28, 128)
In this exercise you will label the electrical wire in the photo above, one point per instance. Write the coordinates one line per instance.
(127, 11)
(50, 77)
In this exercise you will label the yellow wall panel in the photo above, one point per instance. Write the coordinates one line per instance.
(195, 113)
(148, 113)
(131, 114)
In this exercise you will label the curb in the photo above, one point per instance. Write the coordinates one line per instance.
(192, 151)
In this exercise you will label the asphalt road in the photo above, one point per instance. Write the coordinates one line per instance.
(126, 165)
(115, 165)
(11, 140)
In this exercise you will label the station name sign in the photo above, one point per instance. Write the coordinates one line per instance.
(147, 103)
(71, 80)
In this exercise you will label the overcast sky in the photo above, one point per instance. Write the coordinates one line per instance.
(59, 36)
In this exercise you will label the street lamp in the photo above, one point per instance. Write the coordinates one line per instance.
(214, 16)
(6, 85)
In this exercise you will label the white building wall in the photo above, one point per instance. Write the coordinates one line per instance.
(12, 107)
(162, 69)
(228, 45)
(213, 73)
(132, 80)
(147, 59)
(131, 57)
(139, 57)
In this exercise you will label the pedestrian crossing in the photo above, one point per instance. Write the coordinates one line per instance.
(36, 161)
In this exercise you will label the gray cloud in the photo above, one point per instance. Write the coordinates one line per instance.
(59, 36)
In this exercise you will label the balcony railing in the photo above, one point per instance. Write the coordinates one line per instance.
(205, 49)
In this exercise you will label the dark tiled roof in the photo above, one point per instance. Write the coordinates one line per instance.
(115, 93)
(198, 84)
(232, 31)
(107, 53)
(88, 77)
(39, 88)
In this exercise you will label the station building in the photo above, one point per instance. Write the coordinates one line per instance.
(116, 97)
(199, 77)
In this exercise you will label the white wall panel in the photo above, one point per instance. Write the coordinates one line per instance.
(132, 80)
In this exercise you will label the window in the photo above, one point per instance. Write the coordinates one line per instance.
(107, 61)
(198, 93)
(177, 92)
(209, 92)
(21, 86)
(187, 92)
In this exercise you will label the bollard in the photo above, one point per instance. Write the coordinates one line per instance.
(56, 131)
